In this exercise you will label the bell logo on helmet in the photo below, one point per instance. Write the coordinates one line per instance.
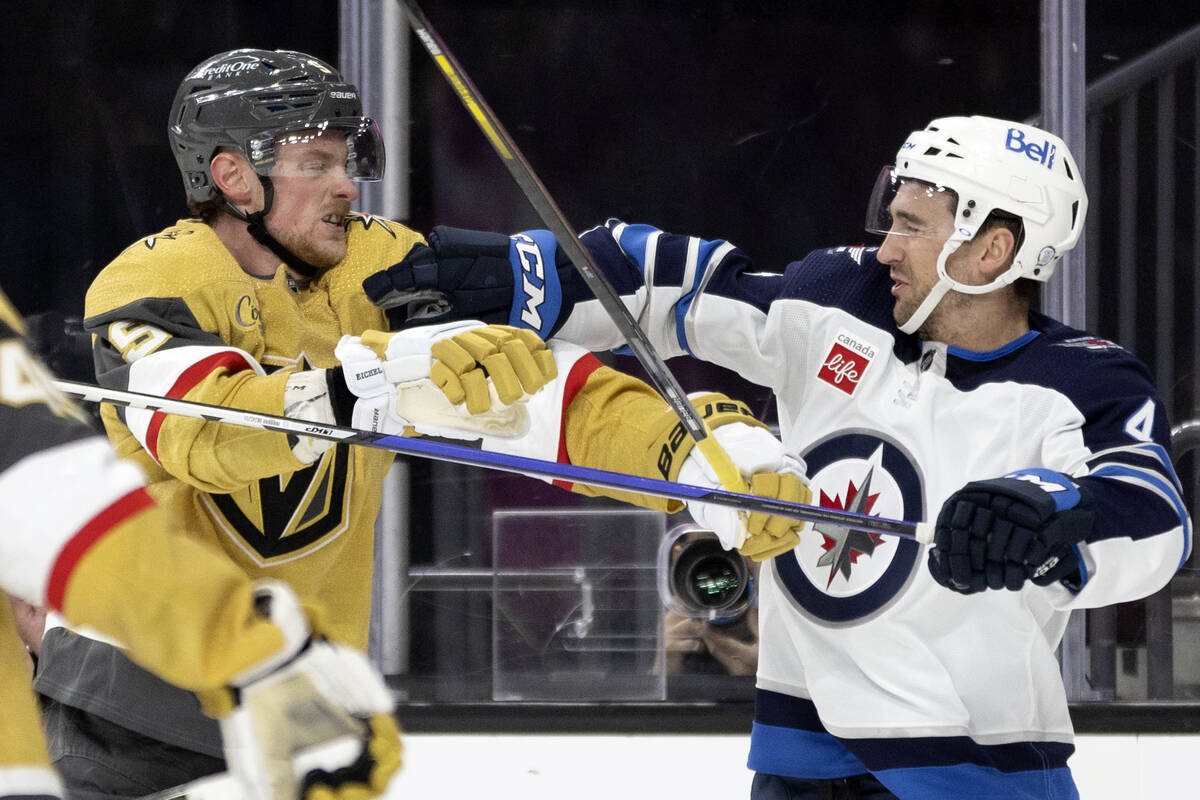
(1041, 153)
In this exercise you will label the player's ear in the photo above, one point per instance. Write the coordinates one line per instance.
(234, 178)
(996, 255)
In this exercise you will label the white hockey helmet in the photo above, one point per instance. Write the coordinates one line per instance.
(988, 165)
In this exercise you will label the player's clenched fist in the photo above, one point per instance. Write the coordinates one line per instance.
(455, 380)
(770, 471)
(313, 696)
(1004, 532)
(516, 360)
(768, 536)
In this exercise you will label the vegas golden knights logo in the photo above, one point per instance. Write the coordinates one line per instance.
(295, 513)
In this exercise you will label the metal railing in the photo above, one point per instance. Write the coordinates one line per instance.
(1143, 237)
(1143, 259)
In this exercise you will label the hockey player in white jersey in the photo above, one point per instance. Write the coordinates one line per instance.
(917, 382)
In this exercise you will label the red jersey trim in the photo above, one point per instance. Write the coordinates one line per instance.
(124, 508)
(581, 370)
(191, 376)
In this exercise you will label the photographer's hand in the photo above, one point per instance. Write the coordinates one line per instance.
(737, 654)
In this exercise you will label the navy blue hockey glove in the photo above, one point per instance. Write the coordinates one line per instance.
(1000, 533)
(461, 274)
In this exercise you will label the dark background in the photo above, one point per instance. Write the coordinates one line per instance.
(760, 122)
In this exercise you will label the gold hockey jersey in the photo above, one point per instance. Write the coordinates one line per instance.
(175, 315)
(80, 535)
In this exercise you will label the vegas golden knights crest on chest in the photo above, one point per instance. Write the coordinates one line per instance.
(283, 516)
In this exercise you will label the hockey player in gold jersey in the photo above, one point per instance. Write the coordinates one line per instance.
(249, 305)
(80, 535)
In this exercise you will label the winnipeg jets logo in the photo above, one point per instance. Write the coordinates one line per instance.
(1089, 343)
(843, 545)
(839, 574)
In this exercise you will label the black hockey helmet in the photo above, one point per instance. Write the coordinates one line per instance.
(246, 99)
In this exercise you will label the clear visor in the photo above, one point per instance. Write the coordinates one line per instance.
(910, 207)
(314, 150)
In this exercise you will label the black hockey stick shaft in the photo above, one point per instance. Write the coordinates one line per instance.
(552, 217)
(522, 465)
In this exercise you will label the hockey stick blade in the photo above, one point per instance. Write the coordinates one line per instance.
(523, 465)
(553, 218)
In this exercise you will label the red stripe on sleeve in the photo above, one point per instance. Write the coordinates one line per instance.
(88, 535)
(191, 376)
(581, 370)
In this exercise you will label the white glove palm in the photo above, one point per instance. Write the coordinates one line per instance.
(770, 471)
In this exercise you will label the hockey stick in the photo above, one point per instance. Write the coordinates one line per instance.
(460, 454)
(538, 196)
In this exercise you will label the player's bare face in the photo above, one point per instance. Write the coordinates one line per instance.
(922, 221)
(312, 198)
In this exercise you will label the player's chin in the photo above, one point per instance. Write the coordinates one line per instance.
(326, 254)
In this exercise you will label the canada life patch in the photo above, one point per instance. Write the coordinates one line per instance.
(846, 361)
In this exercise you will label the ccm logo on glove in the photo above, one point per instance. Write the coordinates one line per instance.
(528, 253)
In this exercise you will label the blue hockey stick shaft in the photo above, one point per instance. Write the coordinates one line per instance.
(462, 454)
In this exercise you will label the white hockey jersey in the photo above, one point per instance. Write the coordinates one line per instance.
(866, 663)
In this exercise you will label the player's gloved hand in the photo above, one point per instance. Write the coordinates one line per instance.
(464, 274)
(515, 359)
(769, 471)
(456, 380)
(1000, 533)
(315, 698)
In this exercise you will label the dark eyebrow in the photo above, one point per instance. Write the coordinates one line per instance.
(908, 217)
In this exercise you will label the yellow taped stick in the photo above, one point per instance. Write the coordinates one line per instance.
(727, 472)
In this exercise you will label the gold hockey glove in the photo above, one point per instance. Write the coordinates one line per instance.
(516, 360)
(770, 472)
(455, 380)
(313, 698)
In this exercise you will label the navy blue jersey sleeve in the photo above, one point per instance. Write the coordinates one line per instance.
(662, 276)
(1142, 532)
(1131, 477)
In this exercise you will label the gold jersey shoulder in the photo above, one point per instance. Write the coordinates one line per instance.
(181, 281)
(186, 259)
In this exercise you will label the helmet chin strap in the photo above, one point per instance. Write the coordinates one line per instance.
(944, 284)
(256, 224)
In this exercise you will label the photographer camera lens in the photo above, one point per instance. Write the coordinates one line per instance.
(708, 580)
